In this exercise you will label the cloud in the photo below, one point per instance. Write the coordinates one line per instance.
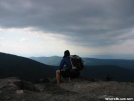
(24, 40)
(81, 22)
(1, 39)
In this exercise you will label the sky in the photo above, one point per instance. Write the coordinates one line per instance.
(89, 28)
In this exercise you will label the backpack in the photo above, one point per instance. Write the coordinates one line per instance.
(76, 63)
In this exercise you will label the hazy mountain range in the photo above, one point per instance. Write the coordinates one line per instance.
(31, 70)
(55, 61)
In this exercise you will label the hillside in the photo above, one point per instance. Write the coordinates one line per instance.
(117, 73)
(24, 68)
(55, 60)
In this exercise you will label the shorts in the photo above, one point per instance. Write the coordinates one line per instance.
(66, 73)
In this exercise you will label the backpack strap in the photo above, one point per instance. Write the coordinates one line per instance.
(73, 67)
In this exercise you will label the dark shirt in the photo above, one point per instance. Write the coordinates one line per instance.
(66, 61)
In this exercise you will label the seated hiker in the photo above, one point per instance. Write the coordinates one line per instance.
(68, 72)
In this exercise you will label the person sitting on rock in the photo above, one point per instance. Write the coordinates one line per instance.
(66, 73)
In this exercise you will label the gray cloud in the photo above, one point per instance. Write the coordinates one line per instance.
(85, 22)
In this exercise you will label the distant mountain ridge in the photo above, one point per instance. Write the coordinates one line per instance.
(55, 61)
(31, 70)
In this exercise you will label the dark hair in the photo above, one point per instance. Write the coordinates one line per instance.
(66, 53)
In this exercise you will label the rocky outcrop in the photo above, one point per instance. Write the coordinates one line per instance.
(81, 89)
(25, 85)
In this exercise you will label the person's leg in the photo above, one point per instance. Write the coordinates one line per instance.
(58, 77)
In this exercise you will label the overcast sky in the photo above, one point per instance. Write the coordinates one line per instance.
(49, 27)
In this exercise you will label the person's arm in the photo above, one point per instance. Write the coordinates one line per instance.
(61, 64)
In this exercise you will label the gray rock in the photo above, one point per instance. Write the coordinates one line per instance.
(81, 89)
(26, 85)
(19, 91)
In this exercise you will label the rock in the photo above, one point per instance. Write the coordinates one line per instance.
(42, 80)
(9, 83)
(103, 97)
(81, 79)
(81, 89)
(1, 91)
(19, 92)
(26, 85)
(40, 87)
